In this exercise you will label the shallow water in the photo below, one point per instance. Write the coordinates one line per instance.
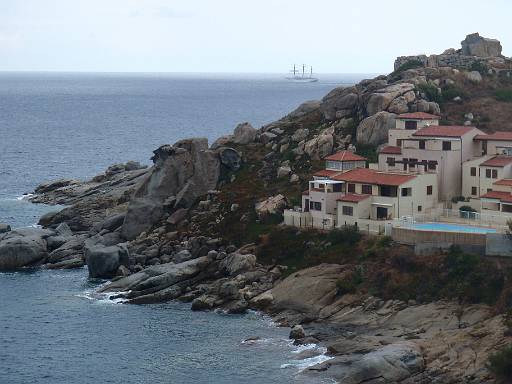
(53, 331)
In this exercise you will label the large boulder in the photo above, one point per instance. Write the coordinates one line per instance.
(235, 263)
(186, 170)
(374, 129)
(381, 99)
(23, 247)
(271, 205)
(244, 133)
(103, 262)
(339, 99)
(4, 228)
(320, 146)
(476, 45)
(305, 108)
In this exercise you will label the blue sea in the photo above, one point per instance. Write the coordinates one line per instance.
(68, 125)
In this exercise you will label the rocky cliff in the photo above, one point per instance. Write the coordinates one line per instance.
(201, 225)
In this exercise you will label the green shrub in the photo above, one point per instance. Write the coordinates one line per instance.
(431, 92)
(503, 95)
(369, 151)
(344, 286)
(411, 64)
(500, 363)
(348, 234)
(466, 208)
(479, 67)
(451, 92)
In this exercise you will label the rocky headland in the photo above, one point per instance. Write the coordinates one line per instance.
(202, 226)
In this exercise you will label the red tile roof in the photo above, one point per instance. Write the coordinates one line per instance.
(444, 130)
(353, 198)
(345, 156)
(507, 182)
(371, 176)
(502, 196)
(326, 173)
(497, 161)
(418, 116)
(391, 150)
(498, 136)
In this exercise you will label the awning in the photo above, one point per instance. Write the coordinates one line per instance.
(383, 204)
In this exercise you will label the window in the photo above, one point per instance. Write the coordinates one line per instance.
(337, 187)
(412, 163)
(432, 165)
(447, 145)
(366, 189)
(351, 188)
(494, 173)
(411, 124)
(406, 192)
(488, 173)
(429, 189)
(390, 161)
(421, 144)
(473, 171)
(489, 190)
(399, 143)
(474, 191)
(405, 160)
(419, 208)
(347, 210)
(315, 206)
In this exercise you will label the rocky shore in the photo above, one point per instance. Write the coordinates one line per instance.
(193, 226)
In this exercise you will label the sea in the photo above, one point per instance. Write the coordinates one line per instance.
(54, 328)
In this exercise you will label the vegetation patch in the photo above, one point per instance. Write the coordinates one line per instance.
(503, 95)
(431, 92)
(369, 151)
(500, 363)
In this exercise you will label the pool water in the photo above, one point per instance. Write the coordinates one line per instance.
(446, 227)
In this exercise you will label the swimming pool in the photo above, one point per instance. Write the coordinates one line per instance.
(447, 227)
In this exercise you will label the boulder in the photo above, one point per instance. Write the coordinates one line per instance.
(244, 133)
(111, 223)
(338, 99)
(300, 134)
(392, 363)
(374, 129)
(177, 216)
(182, 256)
(72, 248)
(47, 219)
(267, 137)
(235, 263)
(230, 158)
(263, 300)
(271, 205)
(103, 262)
(398, 105)
(23, 247)
(320, 146)
(297, 332)
(476, 45)
(4, 228)
(284, 171)
(55, 184)
(305, 108)
(382, 98)
(473, 76)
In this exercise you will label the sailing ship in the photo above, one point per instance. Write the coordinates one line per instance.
(303, 77)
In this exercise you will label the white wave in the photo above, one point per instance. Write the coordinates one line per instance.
(103, 298)
(301, 365)
(309, 347)
(25, 196)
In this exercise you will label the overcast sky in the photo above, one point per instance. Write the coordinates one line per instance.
(335, 36)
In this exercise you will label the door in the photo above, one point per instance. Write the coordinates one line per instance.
(382, 213)
(306, 205)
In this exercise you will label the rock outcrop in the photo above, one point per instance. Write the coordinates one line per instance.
(181, 174)
(374, 129)
(476, 45)
(104, 261)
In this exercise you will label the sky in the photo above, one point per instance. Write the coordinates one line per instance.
(258, 36)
